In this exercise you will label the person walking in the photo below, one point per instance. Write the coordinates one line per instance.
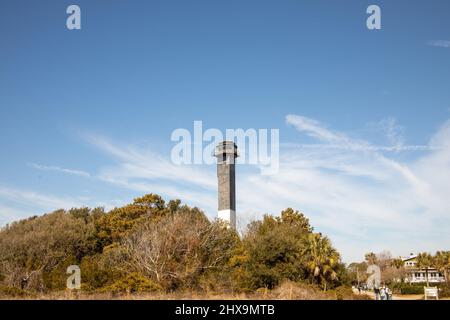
(383, 293)
(376, 291)
(388, 293)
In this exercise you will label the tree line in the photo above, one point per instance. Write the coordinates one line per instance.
(393, 270)
(154, 245)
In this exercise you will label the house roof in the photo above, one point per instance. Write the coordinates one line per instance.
(411, 257)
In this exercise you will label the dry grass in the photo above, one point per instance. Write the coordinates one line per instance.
(286, 291)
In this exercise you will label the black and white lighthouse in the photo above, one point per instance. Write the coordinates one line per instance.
(226, 154)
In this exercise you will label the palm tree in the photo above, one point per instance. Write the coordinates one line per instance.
(425, 261)
(371, 258)
(442, 263)
(321, 258)
(397, 263)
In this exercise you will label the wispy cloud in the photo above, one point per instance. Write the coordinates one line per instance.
(394, 132)
(336, 140)
(9, 214)
(59, 169)
(140, 163)
(19, 204)
(16, 203)
(439, 43)
(317, 130)
(38, 199)
(145, 171)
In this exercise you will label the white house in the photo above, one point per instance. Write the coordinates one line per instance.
(416, 275)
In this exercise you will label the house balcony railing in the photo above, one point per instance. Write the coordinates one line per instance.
(430, 279)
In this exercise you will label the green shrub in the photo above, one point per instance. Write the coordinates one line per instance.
(406, 288)
(56, 278)
(132, 283)
(418, 288)
(444, 291)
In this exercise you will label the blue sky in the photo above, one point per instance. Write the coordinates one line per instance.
(86, 115)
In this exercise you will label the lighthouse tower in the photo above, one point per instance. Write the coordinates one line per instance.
(226, 154)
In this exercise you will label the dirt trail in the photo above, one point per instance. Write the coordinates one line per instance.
(394, 297)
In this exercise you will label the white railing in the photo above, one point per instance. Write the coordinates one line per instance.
(430, 279)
